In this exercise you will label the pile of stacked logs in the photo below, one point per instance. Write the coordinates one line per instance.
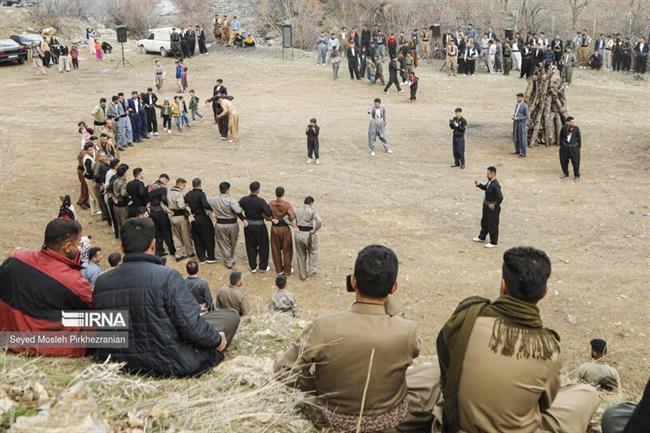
(547, 103)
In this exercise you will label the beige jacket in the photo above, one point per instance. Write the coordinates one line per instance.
(504, 394)
(233, 298)
(338, 348)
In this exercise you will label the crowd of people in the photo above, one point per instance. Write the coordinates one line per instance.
(346, 362)
(228, 32)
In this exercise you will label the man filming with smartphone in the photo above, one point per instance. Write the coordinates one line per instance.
(355, 362)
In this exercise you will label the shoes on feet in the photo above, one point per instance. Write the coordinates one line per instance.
(454, 165)
(489, 245)
(462, 166)
(309, 161)
(317, 161)
(477, 239)
(389, 151)
(372, 153)
(564, 176)
(576, 179)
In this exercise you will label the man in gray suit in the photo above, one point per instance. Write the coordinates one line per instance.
(520, 126)
(377, 127)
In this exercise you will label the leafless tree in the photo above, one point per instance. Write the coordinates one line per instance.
(305, 17)
(138, 15)
(577, 7)
(193, 12)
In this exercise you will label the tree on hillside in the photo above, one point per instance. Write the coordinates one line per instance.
(577, 7)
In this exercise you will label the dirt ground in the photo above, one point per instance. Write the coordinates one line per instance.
(595, 231)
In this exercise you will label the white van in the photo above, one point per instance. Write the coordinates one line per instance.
(157, 42)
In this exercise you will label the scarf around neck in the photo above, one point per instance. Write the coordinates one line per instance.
(517, 331)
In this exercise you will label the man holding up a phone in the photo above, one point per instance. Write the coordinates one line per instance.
(360, 358)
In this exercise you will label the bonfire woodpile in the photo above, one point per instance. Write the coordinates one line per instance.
(548, 107)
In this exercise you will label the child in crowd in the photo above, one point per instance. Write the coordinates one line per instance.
(184, 116)
(194, 106)
(66, 211)
(176, 113)
(283, 300)
(166, 113)
(114, 259)
(74, 55)
(85, 131)
(312, 141)
(198, 287)
(413, 81)
(184, 78)
(99, 54)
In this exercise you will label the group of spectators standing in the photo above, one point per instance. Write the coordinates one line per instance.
(365, 52)
(228, 32)
(185, 42)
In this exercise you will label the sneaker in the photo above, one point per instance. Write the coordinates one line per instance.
(372, 153)
(386, 92)
(169, 131)
(280, 274)
(309, 161)
(230, 141)
(268, 268)
(564, 176)
(462, 166)
(223, 138)
(211, 261)
(156, 134)
(97, 212)
(389, 151)
(489, 245)
(203, 262)
(254, 270)
(317, 161)
(477, 239)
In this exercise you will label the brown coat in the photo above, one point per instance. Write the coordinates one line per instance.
(233, 298)
(338, 347)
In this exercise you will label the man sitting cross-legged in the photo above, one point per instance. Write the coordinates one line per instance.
(500, 367)
(167, 334)
(359, 358)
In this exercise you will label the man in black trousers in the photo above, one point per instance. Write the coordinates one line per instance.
(353, 61)
(491, 209)
(157, 197)
(256, 210)
(458, 124)
(570, 144)
(201, 224)
(150, 100)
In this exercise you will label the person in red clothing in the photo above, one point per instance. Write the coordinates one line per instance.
(391, 42)
(36, 285)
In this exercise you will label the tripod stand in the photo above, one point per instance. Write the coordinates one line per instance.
(124, 61)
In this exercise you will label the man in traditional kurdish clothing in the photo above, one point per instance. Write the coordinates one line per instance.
(598, 372)
(180, 213)
(282, 216)
(502, 345)
(308, 222)
(357, 361)
(377, 127)
(227, 211)
(520, 126)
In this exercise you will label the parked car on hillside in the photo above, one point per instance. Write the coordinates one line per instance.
(11, 51)
(158, 41)
(26, 39)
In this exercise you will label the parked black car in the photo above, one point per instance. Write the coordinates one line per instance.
(11, 51)
(26, 39)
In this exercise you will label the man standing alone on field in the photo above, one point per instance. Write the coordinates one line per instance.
(377, 127)
(491, 209)
(570, 144)
(520, 126)
(458, 124)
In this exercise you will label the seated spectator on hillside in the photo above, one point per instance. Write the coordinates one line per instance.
(91, 269)
(36, 285)
(167, 336)
(114, 259)
(500, 367)
(283, 300)
(595, 61)
(332, 358)
(239, 40)
(249, 42)
(198, 287)
(628, 417)
(597, 372)
(107, 48)
(233, 296)
(66, 210)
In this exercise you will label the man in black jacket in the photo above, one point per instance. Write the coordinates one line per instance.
(137, 191)
(150, 100)
(365, 38)
(458, 124)
(570, 144)
(491, 209)
(256, 210)
(353, 61)
(167, 335)
(201, 224)
(159, 213)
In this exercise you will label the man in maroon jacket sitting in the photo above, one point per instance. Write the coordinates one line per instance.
(36, 285)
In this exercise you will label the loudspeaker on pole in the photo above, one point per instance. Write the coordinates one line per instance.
(121, 34)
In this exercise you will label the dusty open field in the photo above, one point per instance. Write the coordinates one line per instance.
(596, 232)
